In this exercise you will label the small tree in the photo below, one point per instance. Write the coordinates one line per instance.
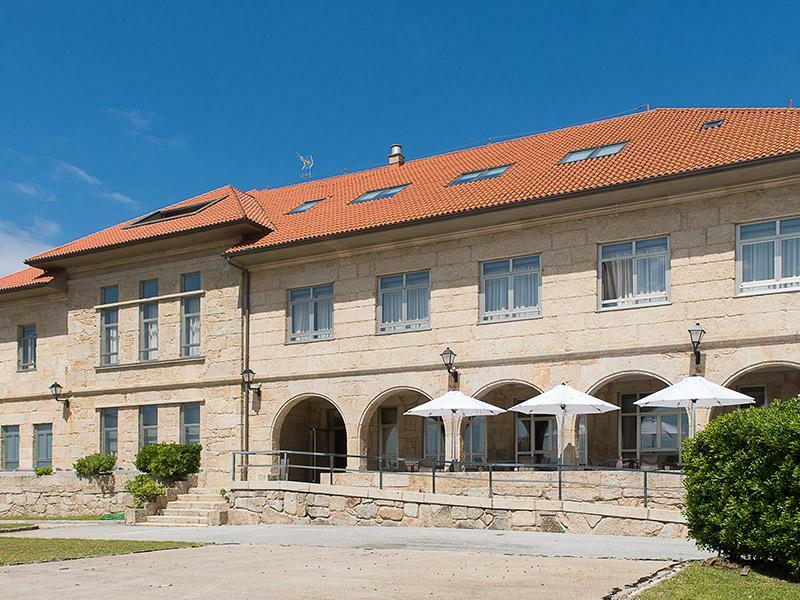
(743, 485)
(169, 462)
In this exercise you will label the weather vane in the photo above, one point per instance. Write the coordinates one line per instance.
(308, 166)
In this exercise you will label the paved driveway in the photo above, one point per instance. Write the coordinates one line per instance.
(346, 562)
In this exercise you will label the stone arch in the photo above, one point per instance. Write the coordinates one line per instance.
(626, 374)
(490, 387)
(765, 381)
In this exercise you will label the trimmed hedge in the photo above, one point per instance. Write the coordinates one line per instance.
(169, 462)
(95, 464)
(743, 485)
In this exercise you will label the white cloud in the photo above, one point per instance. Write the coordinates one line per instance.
(63, 168)
(47, 228)
(18, 244)
(31, 190)
(138, 124)
(137, 119)
(119, 197)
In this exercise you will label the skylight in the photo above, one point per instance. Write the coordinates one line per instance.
(308, 204)
(712, 124)
(478, 175)
(165, 214)
(595, 152)
(379, 194)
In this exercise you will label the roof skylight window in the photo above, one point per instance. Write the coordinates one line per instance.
(712, 124)
(308, 204)
(478, 175)
(596, 152)
(165, 214)
(379, 194)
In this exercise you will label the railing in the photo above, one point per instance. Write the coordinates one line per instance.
(326, 465)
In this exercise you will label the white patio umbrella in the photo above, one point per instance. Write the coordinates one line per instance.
(563, 400)
(454, 404)
(693, 392)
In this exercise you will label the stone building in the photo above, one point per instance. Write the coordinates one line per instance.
(581, 255)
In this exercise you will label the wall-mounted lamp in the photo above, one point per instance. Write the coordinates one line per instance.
(448, 358)
(252, 391)
(696, 335)
(56, 389)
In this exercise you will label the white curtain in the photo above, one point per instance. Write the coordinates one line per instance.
(323, 315)
(301, 317)
(392, 307)
(651, 275)
(618, 279)
(790, 257)
(496, 293)
(151, 335)
(524, 295)
(758, 261)
(418, 304)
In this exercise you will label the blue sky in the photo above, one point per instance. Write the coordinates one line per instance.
(112, 109)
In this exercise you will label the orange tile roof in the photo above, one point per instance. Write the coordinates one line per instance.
(661, 142)
(27, 278)
(232, 205)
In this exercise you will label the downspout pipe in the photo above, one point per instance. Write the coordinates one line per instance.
(245, 441)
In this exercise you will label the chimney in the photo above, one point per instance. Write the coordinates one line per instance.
(396, 155)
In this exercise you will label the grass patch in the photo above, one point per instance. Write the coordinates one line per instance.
(701, 581)
(17, 551)
(56, 518)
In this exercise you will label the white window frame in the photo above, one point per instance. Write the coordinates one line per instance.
(404, 324)
(188, 350)
(533, 419)
(147, 353)
(24, 340)
(637, 300)
(639, 415)
(511, 313)
(765, 286)
(313, 334)
(108, 358)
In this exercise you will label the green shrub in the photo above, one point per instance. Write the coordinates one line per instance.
(48, 470)
(143, 488)
(743, 485)
(169, 462)
(95, 464)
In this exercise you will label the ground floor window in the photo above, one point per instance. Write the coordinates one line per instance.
(475, 440)
(433, 439)
(43, 445)
(190, 423)
(148, 426)
(537, 439)
(651, 435)
(389, 444)
(108, 431)
(9, 447)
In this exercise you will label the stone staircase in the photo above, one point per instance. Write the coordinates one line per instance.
(200, 506)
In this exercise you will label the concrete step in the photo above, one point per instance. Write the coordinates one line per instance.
(192, 497)
(178, 520)
(149, 523)
(184, 512)
(190, 505)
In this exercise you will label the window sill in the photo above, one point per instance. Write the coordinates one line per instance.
(631, 306)
(511, 319)
(747, 293)
(150, 363)
(293, 342)
(32, 370)
(413, 330)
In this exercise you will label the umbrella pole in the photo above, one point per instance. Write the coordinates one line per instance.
(561, 438)
(453, 440)
(694, 417)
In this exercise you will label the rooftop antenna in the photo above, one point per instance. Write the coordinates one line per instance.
(306, 171)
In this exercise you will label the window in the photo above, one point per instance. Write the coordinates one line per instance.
(190, 423)
(596, 152)
(109, 324)
(166, 214)
(148, 425)
(433, 439)
(511, 289)
(379, 194)
(404, 302)
(478, 175)
(757, 392)
(713, 124)
(475, 440)
(108, 431)
(768, 256)
(389, 446)
(43, 445)
(537, 439)
(311, 314)
(26, 348)
(9, 440)
(633, 273)
(148, 321)
(650, 430)
(190, 316)
(307, 205)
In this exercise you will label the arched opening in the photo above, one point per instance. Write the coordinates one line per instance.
(309, 425)
(404, 443)
(509, 437)
(634, 436)
(764, 383)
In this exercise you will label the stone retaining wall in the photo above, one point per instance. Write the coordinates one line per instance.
(62, 494)
(292, 502)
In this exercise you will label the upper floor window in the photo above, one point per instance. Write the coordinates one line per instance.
(43, 444)
(190, 423)
(148, 425)
(379, 194)
(26, 347)
(108, 431)
(148, 321)
(404, 301)
(595, 152)
(634, 273)
(768, 255)
(511, 289)
(190, 316)
(311, 313)
(478, 175)
(109, 323)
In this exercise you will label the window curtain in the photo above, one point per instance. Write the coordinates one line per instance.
(418, 304)
(301, 317)
(496, 294)
(152, 335)
(524, 295)
(112, 340)
(392, 307)
(651, 275)
(790, 257)
(758, 261)
(618, 279)
(323, 315)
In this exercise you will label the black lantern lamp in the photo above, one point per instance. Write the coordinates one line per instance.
(448, 358)
(56, 389)
(696, 335)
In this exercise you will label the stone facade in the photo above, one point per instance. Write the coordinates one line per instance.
(359, 370)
